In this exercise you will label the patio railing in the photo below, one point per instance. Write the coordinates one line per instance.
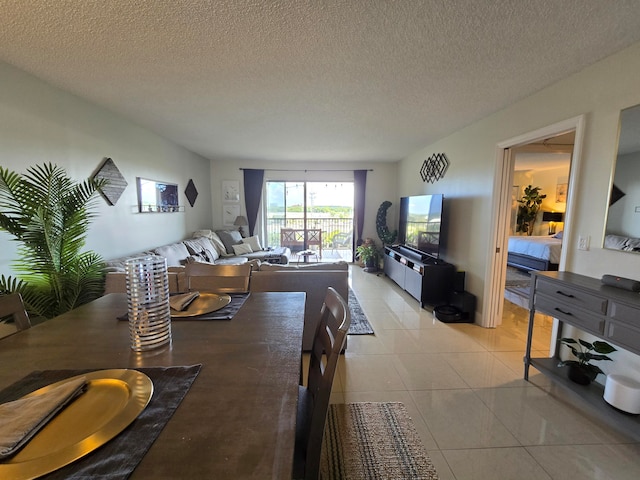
(329, 226)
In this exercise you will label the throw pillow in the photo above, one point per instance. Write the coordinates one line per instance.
(229, 238)
(254, 242)
(202, 245)
(176, 253)
(215, 239)
(241, 248)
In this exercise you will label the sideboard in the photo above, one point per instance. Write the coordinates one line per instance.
(609, 313)
(429, 281)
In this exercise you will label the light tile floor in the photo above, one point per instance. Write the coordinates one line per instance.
(463, 386)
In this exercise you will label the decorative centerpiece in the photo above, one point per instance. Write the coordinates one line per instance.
(581, 371)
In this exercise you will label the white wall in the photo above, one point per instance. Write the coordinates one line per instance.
(599, 92)
(381, 184)
(40, 123)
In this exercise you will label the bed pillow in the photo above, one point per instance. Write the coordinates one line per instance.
(254, 242)
(559, 234)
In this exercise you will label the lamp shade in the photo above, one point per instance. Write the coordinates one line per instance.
(240, 220)
(551, 216)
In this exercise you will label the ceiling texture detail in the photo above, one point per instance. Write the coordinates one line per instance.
(309, 80)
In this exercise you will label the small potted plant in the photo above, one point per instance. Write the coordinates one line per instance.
(369, 255)
(581, 371)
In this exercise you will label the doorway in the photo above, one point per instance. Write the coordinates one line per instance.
(502, 207)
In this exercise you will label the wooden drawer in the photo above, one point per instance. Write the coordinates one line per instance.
(572, 296)
(625, 336)
(569, 313)
(624, 313)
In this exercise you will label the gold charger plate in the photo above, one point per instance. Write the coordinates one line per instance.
(113, 399)
(204, 303)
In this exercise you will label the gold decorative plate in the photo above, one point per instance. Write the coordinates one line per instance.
(114, 399)
(204, 303)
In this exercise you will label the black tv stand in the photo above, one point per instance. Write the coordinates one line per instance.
(427, 279)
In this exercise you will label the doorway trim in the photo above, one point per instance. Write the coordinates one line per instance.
(501, 205)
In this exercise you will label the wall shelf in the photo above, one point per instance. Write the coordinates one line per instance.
(157, 209)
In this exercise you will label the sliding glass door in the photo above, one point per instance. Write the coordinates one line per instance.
(316, 216)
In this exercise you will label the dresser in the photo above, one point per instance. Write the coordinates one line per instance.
(608, 313)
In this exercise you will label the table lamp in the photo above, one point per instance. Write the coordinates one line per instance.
(240, 222)
(552, 218)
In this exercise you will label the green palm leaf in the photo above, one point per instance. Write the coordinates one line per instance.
(49, 215)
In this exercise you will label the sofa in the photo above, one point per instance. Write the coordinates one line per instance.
(266, 276)
(313, 279)
(219, 247)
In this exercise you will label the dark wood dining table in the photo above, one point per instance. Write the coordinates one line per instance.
(238, 418)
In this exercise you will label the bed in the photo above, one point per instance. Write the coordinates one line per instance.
(534, 252)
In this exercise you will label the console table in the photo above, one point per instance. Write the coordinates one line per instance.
(429, 281)
(606, 312)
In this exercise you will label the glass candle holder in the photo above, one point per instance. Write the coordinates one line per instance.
(148, 302)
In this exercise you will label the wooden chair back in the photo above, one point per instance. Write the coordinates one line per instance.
(313, 402)
(292, 239)
(203, 277)
(11, 305)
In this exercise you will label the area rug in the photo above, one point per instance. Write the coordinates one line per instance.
(517, 278)
(517, 287)
(359, 323)
(365, 441)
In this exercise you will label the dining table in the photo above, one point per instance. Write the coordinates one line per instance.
(237, 419)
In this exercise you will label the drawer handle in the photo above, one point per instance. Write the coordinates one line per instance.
(562, 311)
(568, 295)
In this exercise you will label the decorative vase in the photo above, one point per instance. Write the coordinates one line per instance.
(581, 375)
(148, 302)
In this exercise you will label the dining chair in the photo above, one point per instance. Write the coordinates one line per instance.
(313, 399)
(11, 305)
(204, 277)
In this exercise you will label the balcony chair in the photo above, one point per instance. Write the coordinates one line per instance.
(11, 305)
(313, 400)
(342, 241)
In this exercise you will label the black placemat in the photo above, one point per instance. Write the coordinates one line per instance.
(119, 457)
(225, 313)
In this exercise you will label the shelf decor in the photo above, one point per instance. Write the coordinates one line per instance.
(434, 167)
(116, 183)
(191, 192)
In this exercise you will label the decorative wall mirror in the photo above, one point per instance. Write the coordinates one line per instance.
(622, 231)
(157, 197)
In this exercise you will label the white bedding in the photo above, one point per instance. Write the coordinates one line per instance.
(544, 247)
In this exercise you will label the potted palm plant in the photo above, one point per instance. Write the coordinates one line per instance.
(580, 370)
(48, 214)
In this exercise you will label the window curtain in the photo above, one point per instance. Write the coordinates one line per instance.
(253, 179)
(359, 187)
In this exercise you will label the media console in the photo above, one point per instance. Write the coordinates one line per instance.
(428, 280)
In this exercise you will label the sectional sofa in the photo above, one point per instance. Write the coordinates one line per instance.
(271, 271)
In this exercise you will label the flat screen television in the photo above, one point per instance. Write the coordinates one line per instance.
(421, 218)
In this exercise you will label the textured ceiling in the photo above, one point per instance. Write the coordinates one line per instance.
(309, 80)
